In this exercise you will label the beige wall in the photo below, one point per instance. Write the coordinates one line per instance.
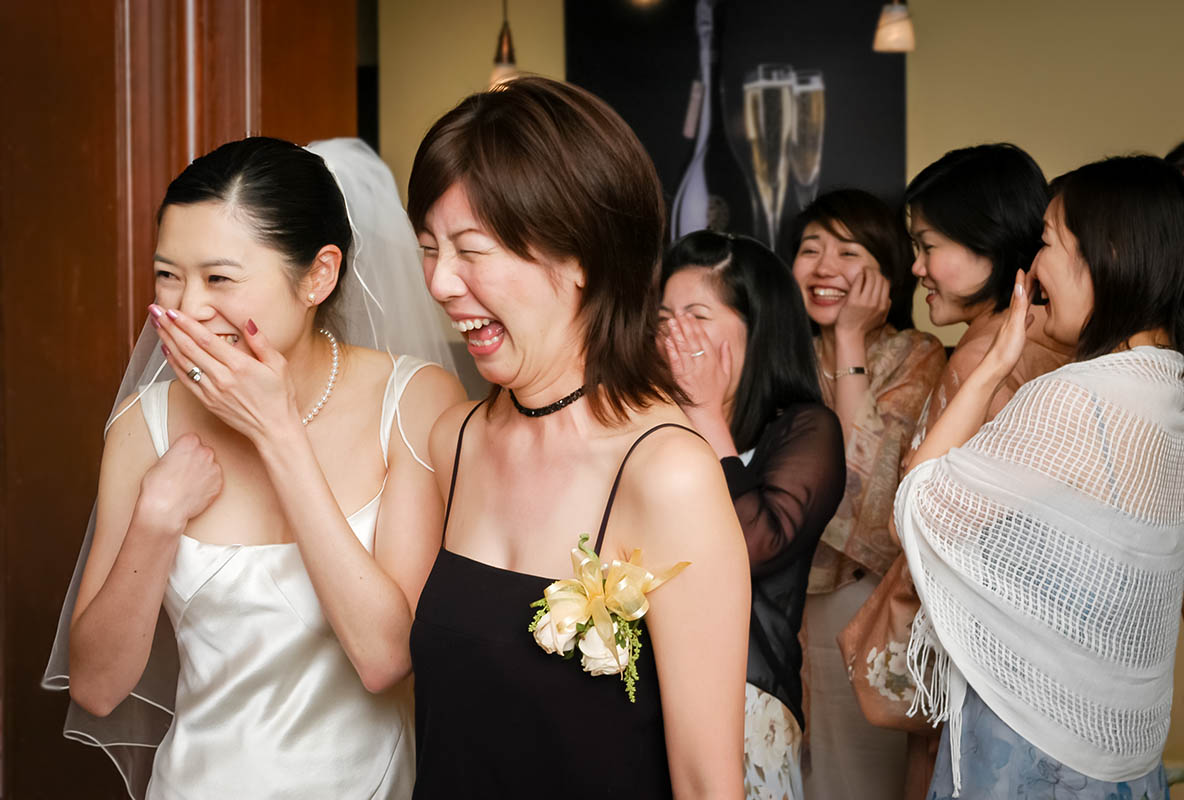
(1070, 81)
(432, 54)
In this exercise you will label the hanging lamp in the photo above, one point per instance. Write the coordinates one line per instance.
(504, 67)
(894, 31)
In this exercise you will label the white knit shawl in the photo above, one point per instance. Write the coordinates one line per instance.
(1048, 553)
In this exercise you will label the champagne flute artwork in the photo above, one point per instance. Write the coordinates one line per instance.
(805, 150)
(769, 129)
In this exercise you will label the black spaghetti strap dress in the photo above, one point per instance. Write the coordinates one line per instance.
(496, 716)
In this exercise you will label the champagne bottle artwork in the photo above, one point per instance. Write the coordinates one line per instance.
(768, 130)
(806, 148)
(784, 112)
(700, 200)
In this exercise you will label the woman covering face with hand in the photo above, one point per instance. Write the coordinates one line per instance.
(738, 341)
(852, 267)
(540, 218)
(1048, 544)
(276, 497)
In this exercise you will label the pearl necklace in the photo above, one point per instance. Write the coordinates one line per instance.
(329, 386)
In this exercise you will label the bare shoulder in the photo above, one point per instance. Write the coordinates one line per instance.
(432, 389)
(442, 439)
(673, 485)
(430, 392)
(673, 503)
(973, 348)
(366, 365)
(128, 451)
(670, 461)
(128, 434)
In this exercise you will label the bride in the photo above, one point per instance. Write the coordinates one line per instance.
(276, 498)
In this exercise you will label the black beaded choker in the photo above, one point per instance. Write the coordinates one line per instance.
(562, 402)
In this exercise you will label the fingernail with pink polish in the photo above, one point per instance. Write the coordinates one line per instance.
(172, 314)
(252, 328)
(164, 348)
(155, 310)
(154, 321)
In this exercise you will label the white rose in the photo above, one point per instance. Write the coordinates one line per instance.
(550, 638)
(598, 659)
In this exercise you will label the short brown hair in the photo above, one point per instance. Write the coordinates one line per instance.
(551, 170)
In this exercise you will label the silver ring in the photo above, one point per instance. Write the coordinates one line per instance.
(195, 374)
(696, 355)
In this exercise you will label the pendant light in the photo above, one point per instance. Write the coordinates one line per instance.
(894, 31)
(504, 68)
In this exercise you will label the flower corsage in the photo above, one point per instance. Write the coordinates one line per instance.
(599, 612)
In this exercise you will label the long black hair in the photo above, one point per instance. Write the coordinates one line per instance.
(780, 367)
(285, 194)
(1128, 217)
(990, 199)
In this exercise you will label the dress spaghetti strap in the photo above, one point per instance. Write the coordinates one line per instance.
(460, 437)
(612, 495)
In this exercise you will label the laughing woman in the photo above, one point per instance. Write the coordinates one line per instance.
(852, 266)
(1048, 544)
(540, 217)
(275, 498)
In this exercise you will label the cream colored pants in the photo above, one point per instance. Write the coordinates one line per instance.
(847, 758)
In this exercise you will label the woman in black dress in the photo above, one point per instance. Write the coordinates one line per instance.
(540, 218)
(738, 341)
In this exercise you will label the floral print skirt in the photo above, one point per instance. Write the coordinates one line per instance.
(772, 748)
(999, 764)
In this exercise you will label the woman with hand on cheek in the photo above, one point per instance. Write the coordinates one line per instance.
(276, 497)
(852, 267)
(1047, 544)
(738, 341)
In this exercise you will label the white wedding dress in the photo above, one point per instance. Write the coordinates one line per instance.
(268, 704)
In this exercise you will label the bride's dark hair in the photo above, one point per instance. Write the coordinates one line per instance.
(285, 194)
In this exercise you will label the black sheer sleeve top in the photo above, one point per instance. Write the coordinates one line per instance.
(784, 497)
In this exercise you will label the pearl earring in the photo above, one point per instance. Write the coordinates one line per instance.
(312, 298)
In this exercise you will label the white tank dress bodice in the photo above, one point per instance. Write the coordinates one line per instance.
(268, 704)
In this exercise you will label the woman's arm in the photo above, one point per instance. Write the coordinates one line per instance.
(790, 499)
(874, 451)
(143, 506)
(367, 609)
(369, 600)
(675, 500)
(865, 310)
(967, 411)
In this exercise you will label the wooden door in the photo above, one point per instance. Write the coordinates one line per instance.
(103, 103)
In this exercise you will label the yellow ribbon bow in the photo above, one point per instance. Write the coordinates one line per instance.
(594, 595)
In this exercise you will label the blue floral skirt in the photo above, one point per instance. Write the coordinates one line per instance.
(999, 764)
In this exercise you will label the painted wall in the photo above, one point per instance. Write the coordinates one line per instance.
(431, 55)
(1070, 81)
